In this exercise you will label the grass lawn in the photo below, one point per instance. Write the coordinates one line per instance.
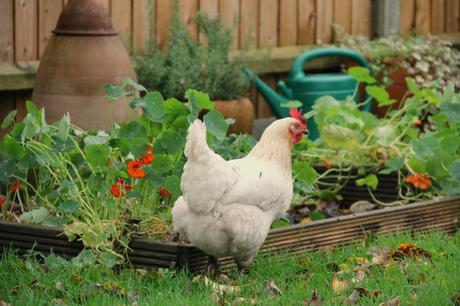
(416, 280)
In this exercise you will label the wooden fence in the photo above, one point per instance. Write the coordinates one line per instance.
(26, 25)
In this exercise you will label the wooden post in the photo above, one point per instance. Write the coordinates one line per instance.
(386, 17)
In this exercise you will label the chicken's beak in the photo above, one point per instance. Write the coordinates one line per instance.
(306, 132)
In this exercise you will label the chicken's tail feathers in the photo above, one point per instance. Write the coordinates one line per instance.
(196, 145)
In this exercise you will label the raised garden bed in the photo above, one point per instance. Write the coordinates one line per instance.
(442, 214)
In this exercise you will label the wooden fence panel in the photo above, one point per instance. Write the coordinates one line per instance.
(423, 16)
(249, 20)
(163, 13)
(342, 14)
(48, 14)
(361, 17)
(306, 17)
(7, 31)
(438, 16)
(288, 22)
(188, 10)
(453, 16)
(407, 15)
(230, 10)
(120, 11)
(324, 19)
(26, 25)
(141, 25)
(268, 23)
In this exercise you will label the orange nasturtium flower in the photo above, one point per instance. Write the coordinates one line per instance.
(117, 188)
(419, 180)
(147, 158)
(165, 192)
(2, 200)
(326, 162)
(418, 122)
(16, 185)
(135, 169)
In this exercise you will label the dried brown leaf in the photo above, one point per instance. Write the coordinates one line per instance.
(246, 301)
(215, 287)
(76, 277)
(315, 300)
(339, 286)
(272, 288)
(356, 294)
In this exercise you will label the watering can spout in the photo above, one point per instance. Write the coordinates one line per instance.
(271, 96)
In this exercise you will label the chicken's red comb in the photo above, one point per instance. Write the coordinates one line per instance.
(294, 112)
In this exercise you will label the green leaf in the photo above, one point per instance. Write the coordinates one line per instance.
(340, 137)
(101, 138)
(31, 127)
(162, 164)
(154, 109)
(394, 164)
(97, 155)
(35, 216)
(137, 102)
(380, 95)
(12, 148)
(133, 84)
(361, 74)
(216, 124)
(69, 206)
(169, 142)
(280, 223)
(199, 99)
(417, 165)
(172, 183)
(8, 119)
(412, 86)
(371, 180)
(31, 107)
(304, 172)
(7, 168)
(64, 127)
(454, 170)
(108, 259)
(425, 148)
(113, 92)
(291, 104)
(451, 110)
(450, 143)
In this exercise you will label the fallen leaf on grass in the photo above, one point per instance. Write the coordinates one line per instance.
(380, 257)
(392, 302)
(456, 299)
(76, 277)
(356, 294)
(315, 300)
(272, 288)
(410, 250)
(114, 287)
(339, 286)
(215, 287)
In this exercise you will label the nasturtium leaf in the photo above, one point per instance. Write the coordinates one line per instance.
(7, 169)
(113, 92)
(172, 183)
(12, 148)
(371, 180)
(215, 124)
(69, 206)
(454, 170)
(162, 164)
(64, 127)
(280, 223)
(154, 109)
(132, 129)
(412, 86)
(133, 84)
(451, 110)
(449, 92)
(8, 119)
(108, 259)
(361, 74)
(31, 127)
(31, 107)
(175, 109)
(169, 142)
(291, 104)
(304, 172)
(138, 102)
(97, 155)
(380, 95)
(35, 216)
(340, 137)
(199, 99)
(450, 143)
(425, 148)
(416, 165)
(394, 164)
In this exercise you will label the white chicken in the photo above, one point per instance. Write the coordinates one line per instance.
(227, 207)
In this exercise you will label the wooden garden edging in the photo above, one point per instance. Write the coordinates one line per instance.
(442, 214)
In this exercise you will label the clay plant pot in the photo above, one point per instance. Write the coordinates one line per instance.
(82, 55)
(396, 90)
(242, 110)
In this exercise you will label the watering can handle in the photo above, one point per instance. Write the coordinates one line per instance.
(299, 63)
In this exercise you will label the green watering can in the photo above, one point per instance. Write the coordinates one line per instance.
(306, 88)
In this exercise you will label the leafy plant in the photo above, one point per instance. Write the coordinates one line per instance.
(105, 187)
(420, 142)
(429, 59)
(189, 64)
